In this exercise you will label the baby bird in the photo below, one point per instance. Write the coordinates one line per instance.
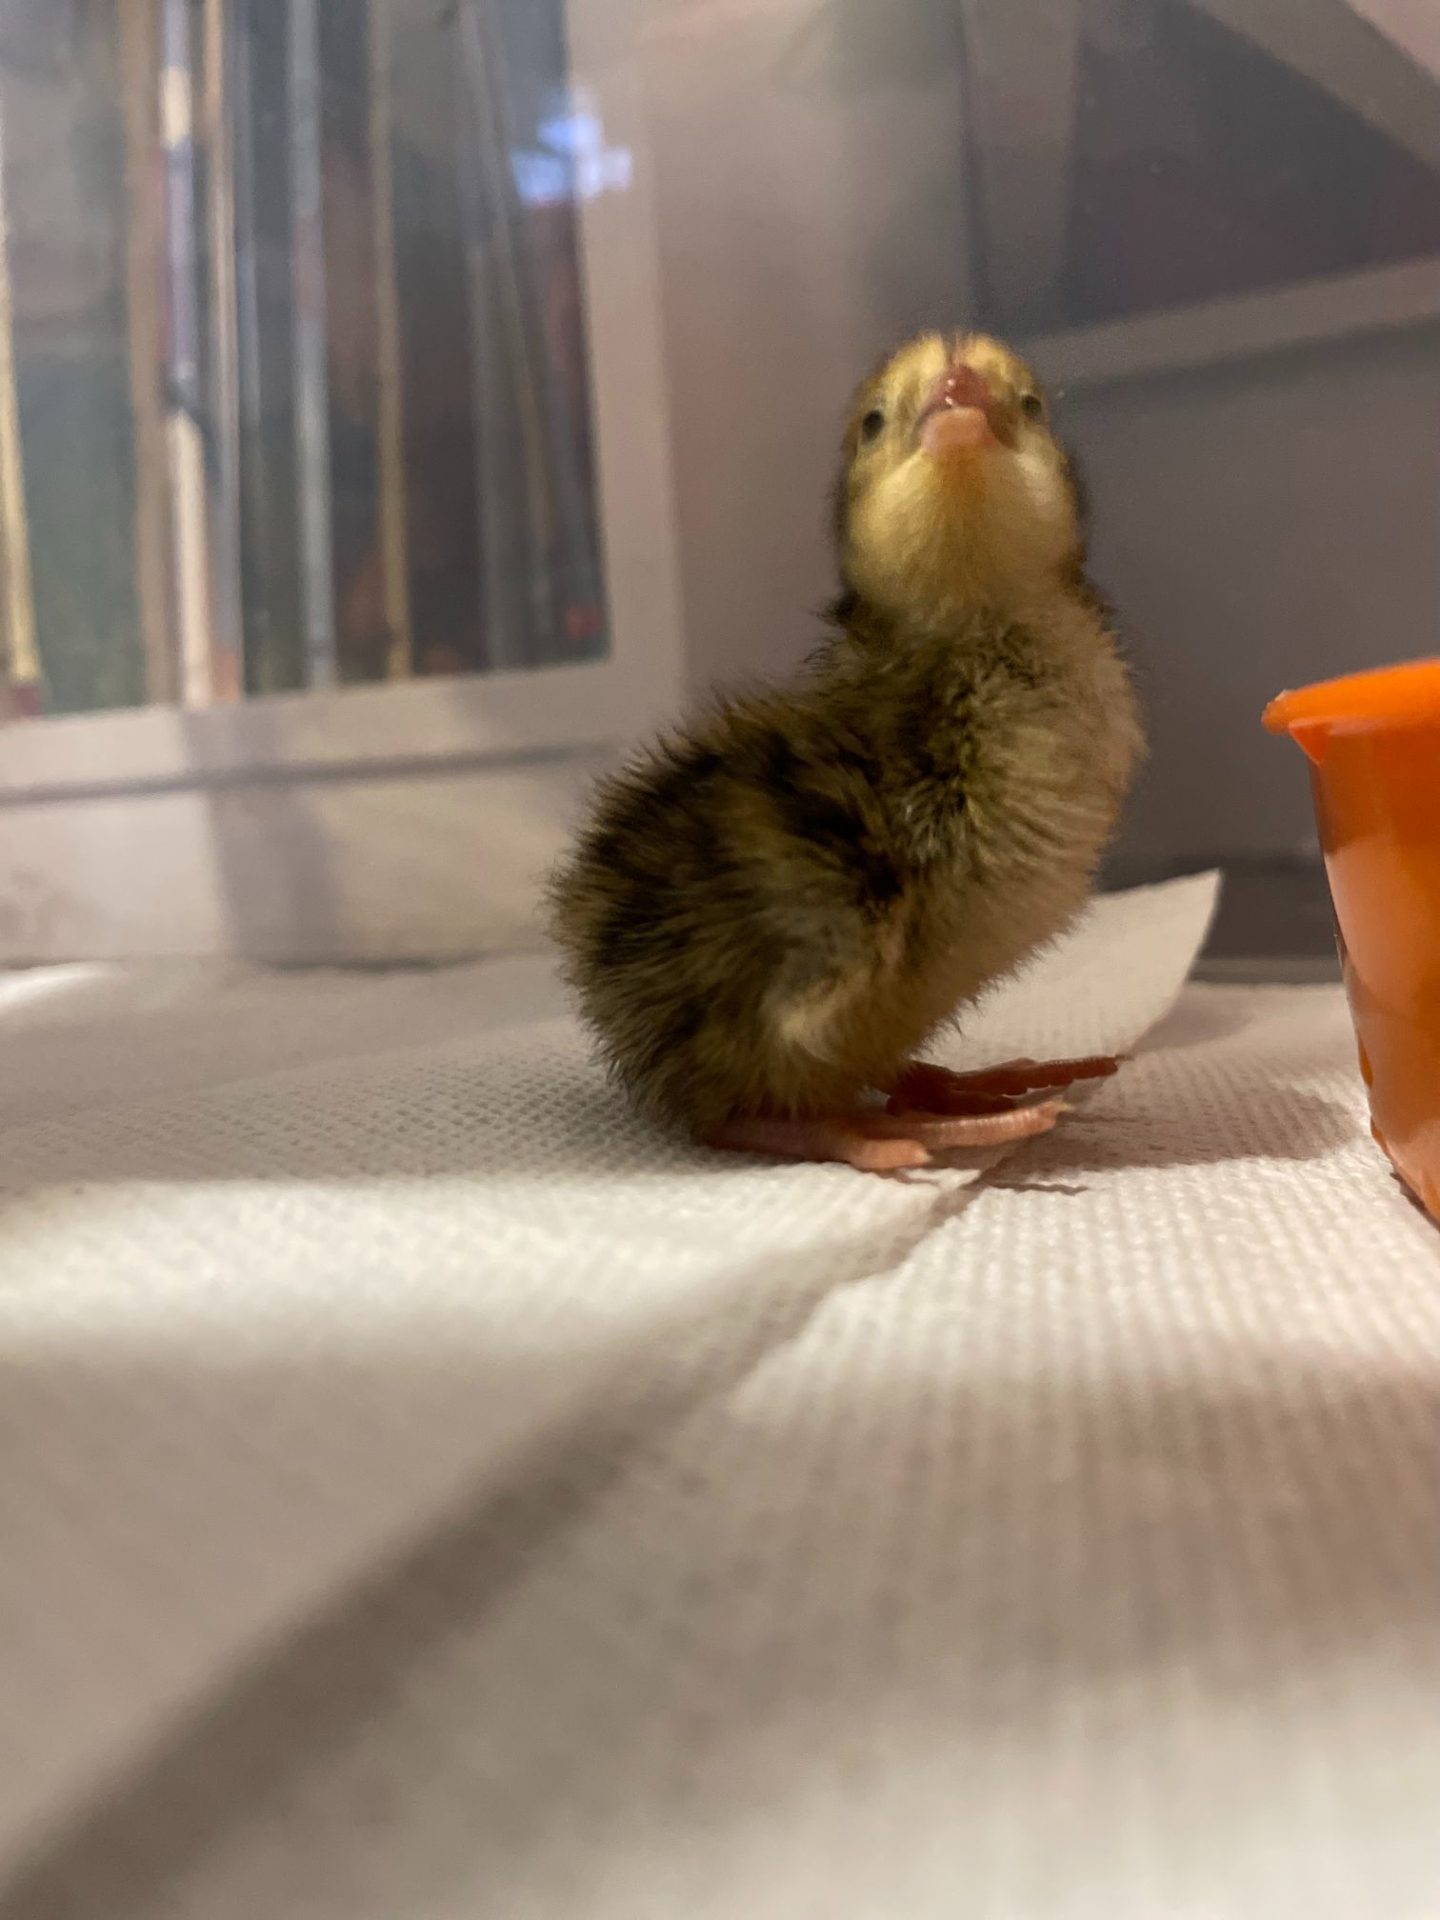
(767, 913)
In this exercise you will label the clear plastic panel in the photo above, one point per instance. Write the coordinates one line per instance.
(294, 379)
(294, 388)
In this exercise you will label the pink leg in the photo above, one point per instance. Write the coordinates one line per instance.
(991, 1090)
(882, 1142)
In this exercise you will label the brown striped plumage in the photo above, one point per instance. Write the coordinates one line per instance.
(769, 911)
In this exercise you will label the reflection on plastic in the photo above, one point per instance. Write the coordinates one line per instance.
(573, 160)
(292, 326)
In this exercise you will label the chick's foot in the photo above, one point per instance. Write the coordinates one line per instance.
(875, 1141)
(992, 1090)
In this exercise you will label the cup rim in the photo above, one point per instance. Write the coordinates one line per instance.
(1406, 695)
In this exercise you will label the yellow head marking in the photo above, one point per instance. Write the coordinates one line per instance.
(953, 489)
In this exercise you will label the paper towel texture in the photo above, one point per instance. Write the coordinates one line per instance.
(426, 1492)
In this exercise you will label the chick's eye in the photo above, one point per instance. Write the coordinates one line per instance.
(1032, 406)
(872, 425)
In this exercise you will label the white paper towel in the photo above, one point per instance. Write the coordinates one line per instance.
(424, 1491)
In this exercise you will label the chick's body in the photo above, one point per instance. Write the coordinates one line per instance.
(769, 912)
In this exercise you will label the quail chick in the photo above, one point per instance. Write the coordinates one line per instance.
(767, 913)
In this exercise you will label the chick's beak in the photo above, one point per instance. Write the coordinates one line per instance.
(963, 413)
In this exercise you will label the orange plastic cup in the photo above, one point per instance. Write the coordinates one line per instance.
(1373, 741)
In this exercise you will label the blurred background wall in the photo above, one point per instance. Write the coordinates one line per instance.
(301, 388)
(1267, 518)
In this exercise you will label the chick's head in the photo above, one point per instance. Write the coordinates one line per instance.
(952, 488)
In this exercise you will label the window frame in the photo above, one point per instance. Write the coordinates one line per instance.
(456, 739)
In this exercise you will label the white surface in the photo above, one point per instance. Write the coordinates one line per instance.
(425, 1492)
